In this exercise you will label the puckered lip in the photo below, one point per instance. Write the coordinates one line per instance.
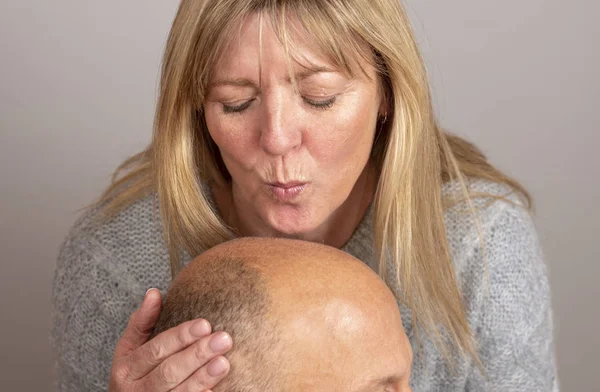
(287, 185)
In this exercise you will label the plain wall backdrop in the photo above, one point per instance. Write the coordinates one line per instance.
(77, 93)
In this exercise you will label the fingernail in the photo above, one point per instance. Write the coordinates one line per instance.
(200, 328)
(217, 367)
(149, 290)
(145, 300)
(220, 342)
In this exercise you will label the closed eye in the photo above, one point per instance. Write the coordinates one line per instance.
(321, 104)
(237, 109)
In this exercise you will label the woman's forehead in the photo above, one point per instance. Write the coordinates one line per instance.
(256, 43)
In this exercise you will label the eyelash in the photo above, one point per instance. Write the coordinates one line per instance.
(236, 109)
(319, 105)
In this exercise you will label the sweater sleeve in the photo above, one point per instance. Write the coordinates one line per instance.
(514, 331)
(91, 305)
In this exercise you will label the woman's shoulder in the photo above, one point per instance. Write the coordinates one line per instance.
(501, 222)
(130, 243)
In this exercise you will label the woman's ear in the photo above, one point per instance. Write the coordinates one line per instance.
(384, 109)
(385, 106)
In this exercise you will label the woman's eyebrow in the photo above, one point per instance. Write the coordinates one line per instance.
(237, 82)
(244, 82)
(309, 71)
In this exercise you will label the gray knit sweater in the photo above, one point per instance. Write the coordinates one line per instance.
(104, 270)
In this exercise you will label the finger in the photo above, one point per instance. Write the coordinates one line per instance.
(206, 377)
(180, 366)
(140, 324)
(164, 345)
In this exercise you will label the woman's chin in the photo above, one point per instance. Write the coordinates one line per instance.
(293, 222)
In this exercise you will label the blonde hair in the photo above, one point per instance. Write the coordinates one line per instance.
(413, 155)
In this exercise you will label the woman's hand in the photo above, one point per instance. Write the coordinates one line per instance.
(184, 358)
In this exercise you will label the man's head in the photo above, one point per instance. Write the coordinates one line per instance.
(303, 317)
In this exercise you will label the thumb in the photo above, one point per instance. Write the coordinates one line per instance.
(140, 324)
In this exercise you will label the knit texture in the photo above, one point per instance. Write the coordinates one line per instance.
(104, 270)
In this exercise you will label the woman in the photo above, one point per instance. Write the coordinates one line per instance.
(312, 120)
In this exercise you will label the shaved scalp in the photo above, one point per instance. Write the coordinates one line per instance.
(233, 296)
(291, 307)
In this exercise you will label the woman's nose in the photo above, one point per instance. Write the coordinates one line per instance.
(280, 132)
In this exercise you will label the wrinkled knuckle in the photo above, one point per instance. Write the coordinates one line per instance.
(183, 335)
(135, 326)
(120, 373)
(155, 353)
(167, 374)
(201, 352)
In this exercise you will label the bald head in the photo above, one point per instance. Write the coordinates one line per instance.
(303, 316)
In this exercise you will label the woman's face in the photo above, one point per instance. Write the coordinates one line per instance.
(294, 156)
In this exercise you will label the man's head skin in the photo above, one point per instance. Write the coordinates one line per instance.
(303, 317)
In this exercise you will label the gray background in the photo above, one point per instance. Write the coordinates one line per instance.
(77, 93)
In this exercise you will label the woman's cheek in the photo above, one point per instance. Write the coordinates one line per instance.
(233, 141)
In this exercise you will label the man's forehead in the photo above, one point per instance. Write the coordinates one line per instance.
(343, 348)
